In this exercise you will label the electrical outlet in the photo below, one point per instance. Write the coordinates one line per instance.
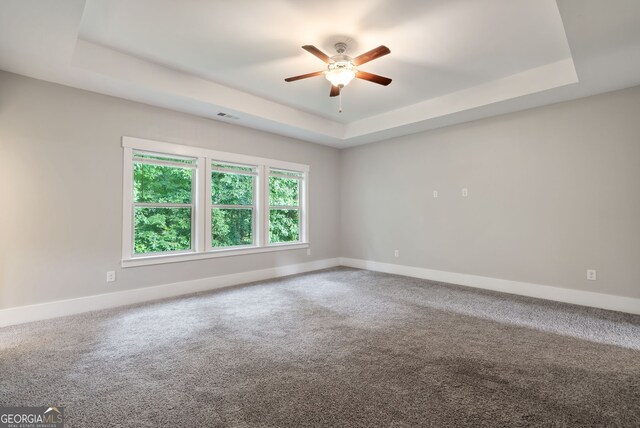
(111, 276)
(396, 253)
(435, 193)
(465, 192)
(591, 274)
(308, 251)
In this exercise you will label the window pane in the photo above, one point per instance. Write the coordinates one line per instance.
(283, 191)
(283, 225)
(162, 229)
(231, 189)
(161, 184)
(231, 227)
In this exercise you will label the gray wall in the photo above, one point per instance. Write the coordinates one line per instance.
(553, 191)
(61, 191)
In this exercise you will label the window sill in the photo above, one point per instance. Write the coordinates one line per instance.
(173, 258)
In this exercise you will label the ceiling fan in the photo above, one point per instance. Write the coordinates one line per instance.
(341, 68)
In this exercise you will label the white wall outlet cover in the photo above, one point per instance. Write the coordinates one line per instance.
(465, 192)
(435, 193)
(396, 253)
(591, 274)
(111, 276)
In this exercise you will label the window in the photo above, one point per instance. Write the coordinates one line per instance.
(233, 209)
(163, 203)
(284, 205)
(185, 203)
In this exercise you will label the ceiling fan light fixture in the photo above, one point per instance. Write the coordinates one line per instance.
(341, 73)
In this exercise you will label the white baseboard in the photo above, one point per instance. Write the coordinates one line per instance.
(578, 297)
(59, 308)
(42, 311)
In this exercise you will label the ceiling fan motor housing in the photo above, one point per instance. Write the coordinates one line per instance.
(341, 47)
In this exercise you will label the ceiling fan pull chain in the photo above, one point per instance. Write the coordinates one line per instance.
(340, 107)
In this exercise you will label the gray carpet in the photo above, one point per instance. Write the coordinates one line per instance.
(340, 347)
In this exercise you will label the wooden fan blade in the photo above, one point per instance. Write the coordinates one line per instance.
(371, 55)
(380, 80)
(317, 52)
(335, 91)
(304, 76)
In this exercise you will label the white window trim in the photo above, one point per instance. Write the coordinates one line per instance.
(201, 248)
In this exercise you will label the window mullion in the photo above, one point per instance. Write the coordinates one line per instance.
(161, 205)
(304, 207)
(231, 207)
(254, 212)
(263, 205)
(197, 197)
(284, 207)
(127, 207)
(208, 246)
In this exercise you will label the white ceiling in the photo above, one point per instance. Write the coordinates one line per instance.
(451, 60)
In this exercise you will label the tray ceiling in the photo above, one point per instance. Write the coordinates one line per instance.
(450, 61)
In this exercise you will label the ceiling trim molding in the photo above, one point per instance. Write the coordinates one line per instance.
(535, 80)
(211, 97)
